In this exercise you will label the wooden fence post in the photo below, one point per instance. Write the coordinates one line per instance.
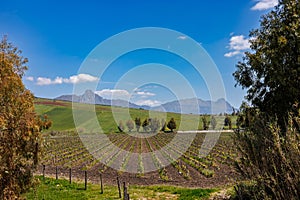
(125, 191)
(119, 188)
(85, 180)
(44, 172)
(70, 175)
(56, 173)
(101, 184)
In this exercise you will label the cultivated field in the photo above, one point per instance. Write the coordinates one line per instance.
(64, 150)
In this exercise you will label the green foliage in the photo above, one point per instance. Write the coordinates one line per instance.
(205, 123)
(270, 71)
(207, 172)
(145, 125)
(171, 124)
(213, 122)
(154, 125)
(130, 125)
(43, 122)
(227, 122)
(163, 174)
(247, 116)
(248, 190)
(270, 158)
(19, 127)
(240, 121)
(269, 146)
(138, 123)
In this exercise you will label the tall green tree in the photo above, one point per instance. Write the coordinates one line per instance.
(154, 125)
(213, 122)
(138, 123)
(19, 126)
(269, 146)
(145, 125)
(130, 125)
(205, 124)
(271, 70)
(171, 124)
(227, 122)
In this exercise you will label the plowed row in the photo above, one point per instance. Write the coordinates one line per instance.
(68, 150)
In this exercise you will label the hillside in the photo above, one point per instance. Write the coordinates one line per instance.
(60, 112)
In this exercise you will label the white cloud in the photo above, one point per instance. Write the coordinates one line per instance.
(58, 80)
(29, 78)
(80, 78)
(264, 4)
(43, 81)
(182, 37)
(148, 102)
(237, 44)
(145, 94)
(232, 53)
(113, 94)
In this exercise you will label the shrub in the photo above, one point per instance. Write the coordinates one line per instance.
(270, 158)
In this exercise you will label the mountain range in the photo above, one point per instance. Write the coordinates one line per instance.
(185, 106)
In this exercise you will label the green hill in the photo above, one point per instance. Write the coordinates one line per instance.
(60, 112)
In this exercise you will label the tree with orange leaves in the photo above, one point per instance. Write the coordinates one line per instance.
(19, 128)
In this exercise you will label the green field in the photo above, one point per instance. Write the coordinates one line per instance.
(60, 112)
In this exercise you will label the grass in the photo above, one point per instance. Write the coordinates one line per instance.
(60, 112)
(51, 189)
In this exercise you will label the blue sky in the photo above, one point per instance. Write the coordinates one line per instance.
(57, 36)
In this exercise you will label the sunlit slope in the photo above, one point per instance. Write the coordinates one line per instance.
(61, 114)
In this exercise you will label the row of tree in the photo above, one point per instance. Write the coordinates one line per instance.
(153, 124)
(213, 122)
(149, 125)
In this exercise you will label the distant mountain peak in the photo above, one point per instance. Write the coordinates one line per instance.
(185, 106)
(89, 92)
(90, 97)
(196, 106)
(221, 99)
